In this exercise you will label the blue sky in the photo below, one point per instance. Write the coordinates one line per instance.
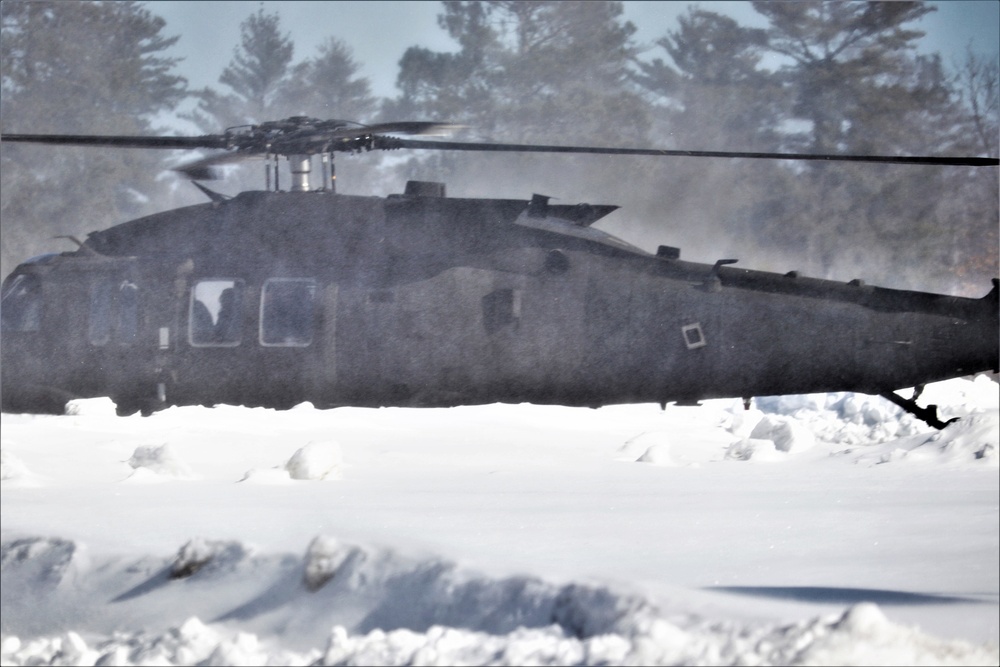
(379, 32)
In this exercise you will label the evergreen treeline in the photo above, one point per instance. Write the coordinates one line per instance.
(824, 76)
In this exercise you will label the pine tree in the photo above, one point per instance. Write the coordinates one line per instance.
(264, 85)
(713, 94)
(972, 204)
(328, 86)
(254, 77)
(78, 68)
(859, 88)
(716, 95)
(543, 72)
(843, 54)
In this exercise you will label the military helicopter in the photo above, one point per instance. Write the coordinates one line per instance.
(273, 298)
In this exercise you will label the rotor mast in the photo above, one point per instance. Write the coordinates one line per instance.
(301, 169)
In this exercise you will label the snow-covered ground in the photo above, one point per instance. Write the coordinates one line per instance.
(810, 529)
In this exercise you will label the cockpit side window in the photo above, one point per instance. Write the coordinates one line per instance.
(215, 318)
(287, 312)
(99, 320)
(128, 312)
(21, 304)
(114, 311)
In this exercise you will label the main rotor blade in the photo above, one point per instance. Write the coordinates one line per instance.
(413, 127)
(389, 142)
(311, 144)
(204, 169)
(303, 138)
(207, 141)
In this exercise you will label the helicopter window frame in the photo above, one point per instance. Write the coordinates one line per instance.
(278, 297)
(113, 312)
(694, 337)
(127, 322)
(213, 325)
(99, 313)
(21, 304)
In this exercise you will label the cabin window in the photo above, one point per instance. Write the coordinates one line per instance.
(21, 304)
(287, 312)
(215, 318)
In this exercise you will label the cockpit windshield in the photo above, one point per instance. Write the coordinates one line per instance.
(21, 303)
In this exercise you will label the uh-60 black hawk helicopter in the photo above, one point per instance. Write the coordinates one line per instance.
(273, 298)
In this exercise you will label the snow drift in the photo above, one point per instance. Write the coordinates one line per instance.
(825, 529)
